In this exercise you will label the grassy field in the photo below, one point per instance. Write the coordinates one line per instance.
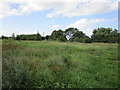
(48, 64)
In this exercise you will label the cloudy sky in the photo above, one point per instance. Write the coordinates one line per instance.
(32, 16)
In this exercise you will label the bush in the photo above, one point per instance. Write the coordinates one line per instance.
(62, 39)
(76, 39)
(87, 40)
(15, 75)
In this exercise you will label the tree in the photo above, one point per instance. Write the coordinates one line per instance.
(38, 36)
(17, 37)
(29, 37)
(54, 35)
(47, 37)
(58, 35)
(87, 40)
(42, 38)
(69, 32)
(75, 39)
(106, 35)
(4, 37)
(13, 36)
(62, 39)
(79, 34)
(80, 37)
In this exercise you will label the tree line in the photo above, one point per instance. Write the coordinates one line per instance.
(106, 35)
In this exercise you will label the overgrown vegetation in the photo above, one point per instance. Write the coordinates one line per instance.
(51, 64)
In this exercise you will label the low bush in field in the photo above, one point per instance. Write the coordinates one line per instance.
(15, 75)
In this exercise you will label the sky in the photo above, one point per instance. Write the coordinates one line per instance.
(44, 16)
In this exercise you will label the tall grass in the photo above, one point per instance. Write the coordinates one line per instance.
(47, 64)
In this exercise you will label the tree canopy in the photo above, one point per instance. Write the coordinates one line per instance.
(29, 37)
(106, 35)
(70, 31)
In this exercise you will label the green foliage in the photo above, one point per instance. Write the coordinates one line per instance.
(58, 35)
(16, 75)
(47, 37)
(62, 39)
(13, 36)
(70, 31)
(4, 37)
(29, 37)
(17, 37)
(87, 40)
(106, 35)
(75, 39)
(38, 36)
(52, 64)
(79, 36)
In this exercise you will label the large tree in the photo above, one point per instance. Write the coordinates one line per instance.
(58, 35)
(38, 36)
(69, 32)
(13, 36)
(80, 37)
(107, 35)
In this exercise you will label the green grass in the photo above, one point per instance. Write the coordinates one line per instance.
(48, 64)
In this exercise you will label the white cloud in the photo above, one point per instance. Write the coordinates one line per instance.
(82, 9)
(86, 25)
(6, 32)
(55, 27)
(17, 31)
(68, 8)
(25, 7)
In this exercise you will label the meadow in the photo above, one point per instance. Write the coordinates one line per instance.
(52, 64)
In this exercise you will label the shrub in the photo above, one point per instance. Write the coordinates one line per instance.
(76, 39)
(87, 40)
(15, 75)
(62, 39)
